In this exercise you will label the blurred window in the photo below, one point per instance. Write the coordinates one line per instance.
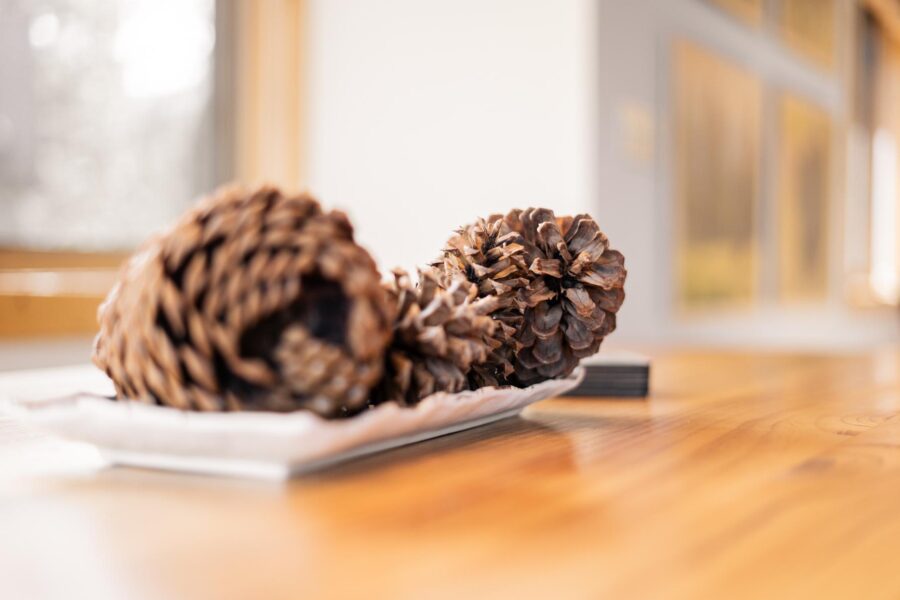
(809, 27)
(105, 118)
(754, 160)
(114, 116)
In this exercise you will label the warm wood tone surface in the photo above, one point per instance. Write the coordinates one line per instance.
(19, 258)
(53, 293)
(27, 316)
(270, 44)
(768, 476)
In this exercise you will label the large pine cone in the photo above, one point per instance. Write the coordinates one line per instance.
(557, 275)
(254, 300)
(442, 338)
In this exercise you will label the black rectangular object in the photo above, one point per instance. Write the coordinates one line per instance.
(615, 375)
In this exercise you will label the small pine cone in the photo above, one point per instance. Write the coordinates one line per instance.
(491, 255)
(254, 300)
(566, 288)
(442, 337)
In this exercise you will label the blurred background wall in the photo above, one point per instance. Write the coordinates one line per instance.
(741, 153)
(424, 115)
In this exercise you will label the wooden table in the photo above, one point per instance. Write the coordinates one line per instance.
(744, 475)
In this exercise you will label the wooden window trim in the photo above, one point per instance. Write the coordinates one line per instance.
(46, 293)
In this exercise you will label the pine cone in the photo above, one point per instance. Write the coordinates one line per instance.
(254, 300)
(558, 275)
(491, 255)
(442, 337)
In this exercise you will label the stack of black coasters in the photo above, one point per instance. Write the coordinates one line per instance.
(620, 374)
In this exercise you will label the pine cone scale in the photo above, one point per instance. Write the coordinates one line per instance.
(547, 266)
(578, 334)
(545, 319)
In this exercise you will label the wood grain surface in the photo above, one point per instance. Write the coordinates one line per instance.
(744, 475)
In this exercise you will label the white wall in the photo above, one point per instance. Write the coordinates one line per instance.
(427, 114)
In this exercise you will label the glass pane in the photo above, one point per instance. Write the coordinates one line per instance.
(105, 134)
(717, 157)
(804, 199)
(808, 27)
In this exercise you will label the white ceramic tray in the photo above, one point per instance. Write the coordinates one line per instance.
(266, 445)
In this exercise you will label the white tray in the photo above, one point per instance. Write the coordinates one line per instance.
(267, 445)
